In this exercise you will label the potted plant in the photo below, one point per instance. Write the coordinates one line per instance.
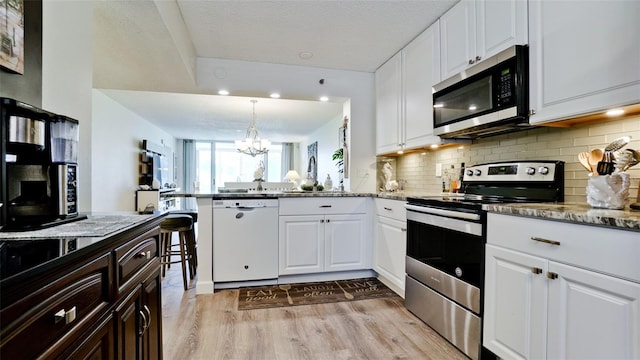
(339, 155)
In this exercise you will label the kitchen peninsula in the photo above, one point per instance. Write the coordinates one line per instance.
(315, 210)
(78, 289)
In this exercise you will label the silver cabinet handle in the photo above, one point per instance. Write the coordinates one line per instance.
(388, 209)
(325, 206)
(144, 326)
(552, 275)
(403, 229)
(471, 61)
(146, 308)
(536, 270)
(546, 241)
(67, 316)
(321, 220)
(478, 58)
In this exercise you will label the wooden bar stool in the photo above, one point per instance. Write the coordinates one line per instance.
(192, 244)
(183, 225)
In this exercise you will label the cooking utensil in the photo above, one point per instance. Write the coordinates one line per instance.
(583, 157)
(595, 156)
(634, 160)
(346, 294)
(286, 289)
(618, 144)
(606, 166)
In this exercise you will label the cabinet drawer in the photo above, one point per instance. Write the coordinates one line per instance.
(393, 209)
(132, 257)
(323, 205)
(41, 319)
(606, 250)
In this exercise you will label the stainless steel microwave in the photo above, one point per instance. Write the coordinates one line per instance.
(487, 99)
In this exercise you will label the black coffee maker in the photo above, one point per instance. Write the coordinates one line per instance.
(38, 167)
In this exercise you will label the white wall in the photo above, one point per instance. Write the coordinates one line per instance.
(260, 79)
(67, 68)
(116, 137)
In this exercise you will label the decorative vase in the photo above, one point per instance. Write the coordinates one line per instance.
(328, 183)
(608, 191)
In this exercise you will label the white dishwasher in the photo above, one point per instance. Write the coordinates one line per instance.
(245, 240)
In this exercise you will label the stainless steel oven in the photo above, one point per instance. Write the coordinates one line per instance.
(446, 238)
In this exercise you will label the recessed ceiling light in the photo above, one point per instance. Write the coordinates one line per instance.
(305, 55)
(438, 105)
(324, 98)
(400, 152)
(434, 146)
(615, 112)
(275, 95)
(472, 107)
(223, 92)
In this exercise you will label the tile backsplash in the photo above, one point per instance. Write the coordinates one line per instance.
(416, 171)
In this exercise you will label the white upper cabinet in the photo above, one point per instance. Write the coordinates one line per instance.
(420, 70)
(388, 112)
(584, 57)
(475, 30)
(404, 112)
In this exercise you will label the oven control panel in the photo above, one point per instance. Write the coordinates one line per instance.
(512, 171)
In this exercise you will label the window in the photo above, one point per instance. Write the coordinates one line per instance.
(217, 162)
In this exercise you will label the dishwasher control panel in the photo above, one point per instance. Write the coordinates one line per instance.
(245, 203)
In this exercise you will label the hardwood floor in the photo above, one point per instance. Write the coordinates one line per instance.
(210, 327)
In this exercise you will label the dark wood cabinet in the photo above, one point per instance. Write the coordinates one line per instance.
(101, 303)
(138, 319)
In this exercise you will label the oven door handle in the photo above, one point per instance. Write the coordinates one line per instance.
(442, 212)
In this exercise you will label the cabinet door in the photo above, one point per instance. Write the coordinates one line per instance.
(500, 24)
(388, 106)
(96, 345)
(583, 57)
(457, 34)
(420, 71)
(301, 240)
(346, 247)
(515, 304)
(390, 250)
(152, 307)
(128, 326)
(592, 315)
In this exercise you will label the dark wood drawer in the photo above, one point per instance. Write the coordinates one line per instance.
(38, 321)
(134, 256)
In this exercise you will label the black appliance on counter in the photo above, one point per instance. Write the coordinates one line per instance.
(38, 167)
(446, 237)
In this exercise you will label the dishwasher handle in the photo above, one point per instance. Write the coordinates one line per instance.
(245, 208)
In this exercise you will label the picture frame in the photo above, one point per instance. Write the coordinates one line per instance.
(12, 36)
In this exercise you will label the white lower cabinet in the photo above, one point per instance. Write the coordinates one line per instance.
(324, 242)
(390, 244)
(560, 300)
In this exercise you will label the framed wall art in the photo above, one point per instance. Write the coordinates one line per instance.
(12, 36)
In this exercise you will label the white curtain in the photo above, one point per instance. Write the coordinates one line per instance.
(287, 159)
(189, 153)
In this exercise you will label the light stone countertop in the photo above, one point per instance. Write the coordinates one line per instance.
(96, 226)
(579, 213)
(399, 195)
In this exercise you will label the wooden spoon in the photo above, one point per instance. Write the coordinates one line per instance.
(583, 157)
(595, 156)
(346, 294)
(286, 288)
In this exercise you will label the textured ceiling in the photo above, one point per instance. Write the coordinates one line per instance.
(139, 48)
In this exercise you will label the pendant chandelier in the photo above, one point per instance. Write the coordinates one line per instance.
(252, 144)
